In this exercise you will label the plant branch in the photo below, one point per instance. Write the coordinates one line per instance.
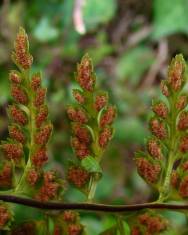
(90, 206)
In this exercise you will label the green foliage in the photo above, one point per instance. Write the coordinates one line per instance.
(97, 12)
(170, 17)
(44, 32)
(91, 165)
(142, 56)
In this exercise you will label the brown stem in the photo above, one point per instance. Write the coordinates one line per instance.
(90, 206)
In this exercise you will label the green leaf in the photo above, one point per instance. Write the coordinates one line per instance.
(92, 224)
(170, 17)
(91, 165)
(123, 228)
(45, 32)
(41, 228)
(110, 231)
(51, 225)
(132, 65)
(96, 12)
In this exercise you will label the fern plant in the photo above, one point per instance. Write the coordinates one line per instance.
(24, 180)
(92, 121)
(163, 164)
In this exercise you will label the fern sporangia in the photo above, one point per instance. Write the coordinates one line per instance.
(25, 150)
(163, 165)
(91, 118)
(24, 180)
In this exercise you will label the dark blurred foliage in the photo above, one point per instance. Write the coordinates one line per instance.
(131, 43)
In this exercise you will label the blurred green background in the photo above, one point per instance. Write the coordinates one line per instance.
(131, 43)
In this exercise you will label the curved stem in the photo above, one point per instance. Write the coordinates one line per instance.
(91, 206)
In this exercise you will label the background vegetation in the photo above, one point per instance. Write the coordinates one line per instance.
(131, 43)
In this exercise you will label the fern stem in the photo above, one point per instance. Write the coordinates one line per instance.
(165, 190)
(31, 131)
(93, 187)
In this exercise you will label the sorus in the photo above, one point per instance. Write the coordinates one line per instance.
(18, 115)
(43, 135)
